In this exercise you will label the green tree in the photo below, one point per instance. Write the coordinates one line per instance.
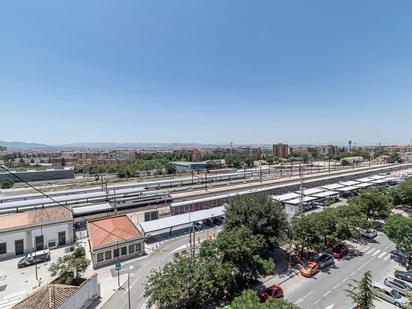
(6, 183)
(243, 250)
(374, 203)
(305, 234)
(409, 296)
(260, 214)
(250, 300)
(362, 292)
(403, 193)
(72, 265)
(399, 230)
(189, 283)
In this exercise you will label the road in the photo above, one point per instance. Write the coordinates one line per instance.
(141, 269)
(326, 289)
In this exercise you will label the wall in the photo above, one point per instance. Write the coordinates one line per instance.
(87, 294)
(50, 232)
(113, 246)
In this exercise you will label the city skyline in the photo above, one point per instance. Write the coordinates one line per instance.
(206, 72)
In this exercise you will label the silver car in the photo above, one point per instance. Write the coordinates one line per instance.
(370, 233)
(390, 295)
(398, 285)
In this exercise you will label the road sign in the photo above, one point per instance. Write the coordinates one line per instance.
(118, 266)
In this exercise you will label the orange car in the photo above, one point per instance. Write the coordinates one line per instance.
(309, 269)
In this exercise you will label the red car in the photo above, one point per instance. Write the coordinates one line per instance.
(274, 291)
(339, 251)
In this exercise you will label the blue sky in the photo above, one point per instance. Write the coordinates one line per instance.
(207, 71)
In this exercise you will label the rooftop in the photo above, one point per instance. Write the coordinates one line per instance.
(48, 296)
(35, 217)
(106, 231)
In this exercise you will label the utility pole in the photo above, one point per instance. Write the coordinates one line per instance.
(260, 173)
(301, 189)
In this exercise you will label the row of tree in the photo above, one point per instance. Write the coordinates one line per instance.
(130, 169)
(317, 231)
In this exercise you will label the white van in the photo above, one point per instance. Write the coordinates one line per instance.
(390, 295)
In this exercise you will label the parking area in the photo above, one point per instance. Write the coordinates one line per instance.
(19, 282)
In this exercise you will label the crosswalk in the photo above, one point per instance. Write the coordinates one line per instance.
(11, 299)
(377, 253)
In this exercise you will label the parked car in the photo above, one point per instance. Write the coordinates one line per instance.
(398, 285)
(274, 291)
(217, 220)
(399, 255)
(207, 222)
(369, 233)
(339, 250)
(404, 275)
(309, 269)
(198, 225)
(390, 295)
(34, 258)
(325, 260)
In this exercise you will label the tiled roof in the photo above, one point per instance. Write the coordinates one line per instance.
(47, 297)
(35, 217)
(110, 230)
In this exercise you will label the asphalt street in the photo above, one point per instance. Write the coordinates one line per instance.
(327, 288)
(142, 269)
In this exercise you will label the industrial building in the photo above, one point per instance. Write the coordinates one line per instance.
(39, 174)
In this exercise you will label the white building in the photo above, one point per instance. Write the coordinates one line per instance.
(33, 230)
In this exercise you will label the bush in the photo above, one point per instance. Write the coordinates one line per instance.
(6, 183)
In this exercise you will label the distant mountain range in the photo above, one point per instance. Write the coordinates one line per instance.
(109, 145)
(33, 146)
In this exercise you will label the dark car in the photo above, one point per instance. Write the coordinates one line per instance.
(34, 258)
(325, 260)
(404, 275)
(339, 250)
(274, 291)
(217, 220)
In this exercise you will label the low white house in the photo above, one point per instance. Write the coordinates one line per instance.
(33, 230)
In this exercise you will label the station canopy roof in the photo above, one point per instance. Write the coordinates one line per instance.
(325, 194)
(380, 181)
(180, 221)
(333, 186)
(297, 201)
(285, 197)
(346, 189)
(365, 179)
(376, 177)
(363, 185)
(350, 183)
(312, 191)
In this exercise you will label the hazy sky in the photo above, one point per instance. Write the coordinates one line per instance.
(208, 71)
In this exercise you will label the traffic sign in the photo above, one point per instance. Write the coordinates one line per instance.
(118, 266)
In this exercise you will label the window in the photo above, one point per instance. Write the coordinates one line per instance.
(124, 250)
(138, 247)
(108, 255)
(3, 248)
(100, 257)
(131, 248)
(151, 215)
(115, 252)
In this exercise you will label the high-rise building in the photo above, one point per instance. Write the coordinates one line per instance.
(280, 150)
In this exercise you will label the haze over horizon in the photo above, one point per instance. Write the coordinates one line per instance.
(206, 72)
